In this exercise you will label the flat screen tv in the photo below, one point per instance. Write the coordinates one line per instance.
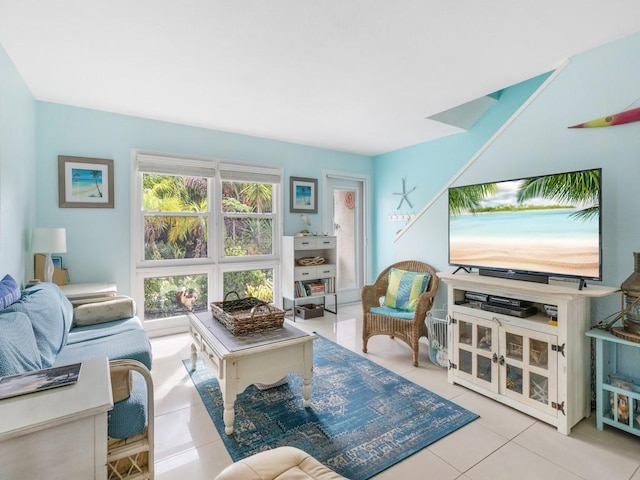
(529, 228)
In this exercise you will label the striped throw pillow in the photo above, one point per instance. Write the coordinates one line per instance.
(405, 288)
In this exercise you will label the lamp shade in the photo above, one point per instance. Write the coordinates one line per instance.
(49, 240)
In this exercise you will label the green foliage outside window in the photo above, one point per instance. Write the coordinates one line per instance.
(175, 236)
(250, 283)
(175, 227)
(174, 295)
(246, 229)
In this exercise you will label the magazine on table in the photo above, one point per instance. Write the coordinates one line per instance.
(39, 380)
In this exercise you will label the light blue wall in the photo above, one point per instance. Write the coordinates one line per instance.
(595, 84)
(98, 246)
(17, 172)
(428, 167)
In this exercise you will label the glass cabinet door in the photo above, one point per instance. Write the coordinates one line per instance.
(529, 367)
(476, 343)
(465, 340)
(539, 362)
(513, 354)
(483, 353)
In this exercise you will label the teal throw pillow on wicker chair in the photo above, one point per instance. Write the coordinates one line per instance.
(404, 289)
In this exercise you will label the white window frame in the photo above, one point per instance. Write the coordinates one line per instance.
(216, 263)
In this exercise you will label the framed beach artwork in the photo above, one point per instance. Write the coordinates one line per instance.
(57, 261)
(304, 195)
(85, 182)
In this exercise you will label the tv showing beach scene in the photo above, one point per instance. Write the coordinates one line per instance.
(548, 224)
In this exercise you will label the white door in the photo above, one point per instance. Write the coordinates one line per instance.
(347, 224)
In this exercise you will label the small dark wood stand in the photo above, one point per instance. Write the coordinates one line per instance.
(622, 333)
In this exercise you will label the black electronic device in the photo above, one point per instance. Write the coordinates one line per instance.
(475, 303)
(513, 302)
(480, 297)
(513, 275)
(521, 312)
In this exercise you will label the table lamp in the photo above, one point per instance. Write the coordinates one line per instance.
(48, 241)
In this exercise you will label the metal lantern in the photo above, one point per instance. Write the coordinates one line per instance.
(631, 290)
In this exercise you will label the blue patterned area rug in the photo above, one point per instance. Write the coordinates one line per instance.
(363, 418)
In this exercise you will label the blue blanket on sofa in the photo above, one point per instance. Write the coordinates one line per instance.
(37, 332)
(51, 317)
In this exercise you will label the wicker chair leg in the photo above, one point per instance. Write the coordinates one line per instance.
(416, 349)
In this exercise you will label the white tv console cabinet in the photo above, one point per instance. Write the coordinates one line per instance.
(537, 366)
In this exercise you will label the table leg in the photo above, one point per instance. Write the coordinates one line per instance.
(194, 357)
(229, 416)
(226, 373)
(306, 392)
(308, 374)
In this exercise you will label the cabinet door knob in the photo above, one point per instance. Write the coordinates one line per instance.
(501, 361)
(494, 359)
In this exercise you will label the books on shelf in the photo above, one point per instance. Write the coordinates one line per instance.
(330, 284)
(315, 288)
(39, 380)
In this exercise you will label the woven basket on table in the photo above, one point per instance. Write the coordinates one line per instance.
(246, 315)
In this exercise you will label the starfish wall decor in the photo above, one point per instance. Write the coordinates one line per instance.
(404, 194)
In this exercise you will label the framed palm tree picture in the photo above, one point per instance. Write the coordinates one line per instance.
(85, 182)
(304, 195)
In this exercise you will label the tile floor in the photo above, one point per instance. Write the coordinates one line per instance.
(502, 444)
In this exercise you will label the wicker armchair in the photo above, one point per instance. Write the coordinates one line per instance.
(409, 331)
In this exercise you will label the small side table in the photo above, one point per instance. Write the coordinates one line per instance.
(82, 292)
(59, 433)
(611, 399)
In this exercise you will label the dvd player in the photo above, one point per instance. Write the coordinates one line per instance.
(521, 312)
(480, 297)
(512, 302)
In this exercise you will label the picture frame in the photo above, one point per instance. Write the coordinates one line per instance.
(303, 195)
(85, 182)
(57, 261)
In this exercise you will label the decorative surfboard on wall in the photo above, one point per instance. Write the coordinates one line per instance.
(621, 118)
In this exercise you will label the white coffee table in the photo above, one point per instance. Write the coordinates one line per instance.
(261, 357)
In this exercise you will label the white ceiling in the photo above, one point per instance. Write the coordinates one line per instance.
(352, 75)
